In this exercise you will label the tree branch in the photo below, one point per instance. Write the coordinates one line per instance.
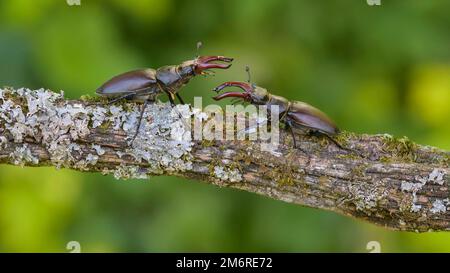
(391, 182)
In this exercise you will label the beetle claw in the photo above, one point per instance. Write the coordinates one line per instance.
(208, 62)
(246, 87)
(241, 95)
(208, 59)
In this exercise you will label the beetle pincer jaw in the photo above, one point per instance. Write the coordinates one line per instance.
(208, 59)
(217, 89)
(210, 62)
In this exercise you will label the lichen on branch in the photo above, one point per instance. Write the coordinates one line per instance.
(61, 126)
(392, 182)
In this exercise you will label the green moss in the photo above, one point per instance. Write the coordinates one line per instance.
(243, 157)
(186, 157)
(323, 180)
(344, 137)
(127, 106)
(89, 98)
(102, 100)
(402, 148)
(16, 99)
(207, 143)
(285, 181)
(385, 159)
(90, 121)
(347, 156)
(222, 148)
(324, 142)
(283, 176)
(105, 125)
(7, 92)
(446, 159)
(359, 170)
(236, 165)
(211, 170)
(214, 162)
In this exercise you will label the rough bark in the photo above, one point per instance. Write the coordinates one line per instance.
(387, 181)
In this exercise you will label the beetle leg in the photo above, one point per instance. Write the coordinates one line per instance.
(179, 98)
(171, 99)
(337, 143)
(140, 120)
(127, 96)
(288, 124)
(342, 147)
(172, 103)
(320, 134)
(293, 136)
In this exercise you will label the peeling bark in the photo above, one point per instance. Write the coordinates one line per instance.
(390, 182)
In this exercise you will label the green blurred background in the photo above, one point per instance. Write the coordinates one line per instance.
(374, 69)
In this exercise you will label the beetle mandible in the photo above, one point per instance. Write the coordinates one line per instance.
(146, 84)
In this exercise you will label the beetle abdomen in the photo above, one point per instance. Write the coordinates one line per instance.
(129, 82)
(304, 115)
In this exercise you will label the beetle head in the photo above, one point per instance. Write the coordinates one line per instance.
(251, 93)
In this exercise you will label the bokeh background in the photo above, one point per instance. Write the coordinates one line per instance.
(374, 69)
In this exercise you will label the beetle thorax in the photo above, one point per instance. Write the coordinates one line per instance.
(282, 103)
(174, 77)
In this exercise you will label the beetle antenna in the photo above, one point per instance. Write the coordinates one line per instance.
(249, 77)
(199, 45)
(247, 69)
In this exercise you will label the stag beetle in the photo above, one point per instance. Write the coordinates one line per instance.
(146, 84)
(295, 115)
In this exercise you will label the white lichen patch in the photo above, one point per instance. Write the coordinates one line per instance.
(91, 159)
(440, 206)
(413, 188)
(118, 116)
(98, 149)
(129, 172)
(163, 143)
(367, 197)
(232, 175)
(437, 176)
(3, 142)
(55, 125)
(98, 116)
(15, 120)
(22, 156)
(414, 206)
(120, 154)
(164, 140)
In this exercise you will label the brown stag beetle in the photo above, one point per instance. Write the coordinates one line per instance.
(146, 84)
(295, 115)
